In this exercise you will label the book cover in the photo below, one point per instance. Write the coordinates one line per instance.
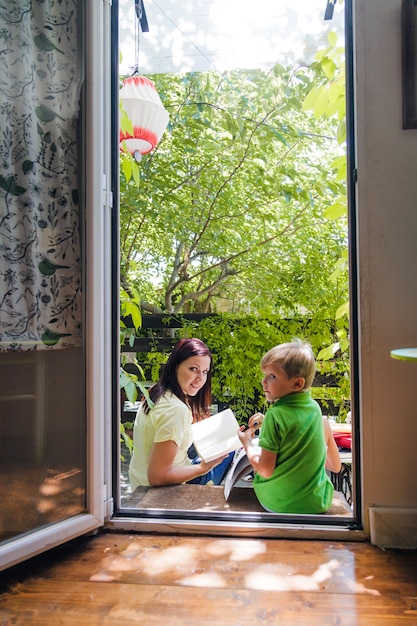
(238, 470)
(216, 435)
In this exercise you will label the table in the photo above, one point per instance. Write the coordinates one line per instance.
(343, 480)
(404, 354)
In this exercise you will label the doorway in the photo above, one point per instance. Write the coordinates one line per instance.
(161, 506)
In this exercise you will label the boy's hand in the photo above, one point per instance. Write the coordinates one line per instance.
(246, 436)
(256, 420)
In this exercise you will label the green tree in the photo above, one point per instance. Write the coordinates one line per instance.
(231, 211)
(326, 99)
(242, 208)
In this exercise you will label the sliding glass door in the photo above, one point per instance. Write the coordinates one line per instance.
(52, 320)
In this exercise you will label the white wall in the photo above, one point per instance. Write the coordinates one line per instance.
(387, 220)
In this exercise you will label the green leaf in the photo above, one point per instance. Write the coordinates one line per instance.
(136, 174)
(332, 38)
(343, 310)
(126, 168)
(128, 384)
(311, 98)
(131, 392)
(329, 352)
(126, 124)
(329, 68)
(335, 211)
(341, 132)
(260, 163)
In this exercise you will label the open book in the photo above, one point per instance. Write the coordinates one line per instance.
(216, 435)
(238, 470)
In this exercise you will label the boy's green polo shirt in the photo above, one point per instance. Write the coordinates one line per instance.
(293, 429)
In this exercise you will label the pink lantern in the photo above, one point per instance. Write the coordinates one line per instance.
(145, 110)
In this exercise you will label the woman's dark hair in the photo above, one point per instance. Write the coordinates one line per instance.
(184, 349)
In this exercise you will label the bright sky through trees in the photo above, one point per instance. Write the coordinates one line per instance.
(207, 35)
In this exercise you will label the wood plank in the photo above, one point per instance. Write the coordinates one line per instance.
(133, 579)
(204, 498)
(342, 567)
(101, 604)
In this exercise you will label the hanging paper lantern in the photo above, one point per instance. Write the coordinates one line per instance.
(145, 110)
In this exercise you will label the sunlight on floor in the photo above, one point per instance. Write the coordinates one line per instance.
(239, 550)
(222, 562)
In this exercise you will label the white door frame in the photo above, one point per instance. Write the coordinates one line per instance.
(313, 527)
(97, 330)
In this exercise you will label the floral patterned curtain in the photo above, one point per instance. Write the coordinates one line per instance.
(40, 250)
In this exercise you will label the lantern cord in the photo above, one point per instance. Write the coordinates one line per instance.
(135, 69)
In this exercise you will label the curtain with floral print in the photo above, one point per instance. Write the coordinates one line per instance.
(40, 247)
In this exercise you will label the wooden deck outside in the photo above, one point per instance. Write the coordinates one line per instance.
(126, 579)
(203, 498)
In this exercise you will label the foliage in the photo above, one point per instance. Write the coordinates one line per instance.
(238, 343)
(242, 208)
(327, 98)
(130, 306)
(126, 429)
(241, 191)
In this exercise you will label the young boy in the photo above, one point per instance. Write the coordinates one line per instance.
(290, 473)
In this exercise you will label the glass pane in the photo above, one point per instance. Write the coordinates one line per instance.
(42, 444)
(42, 356)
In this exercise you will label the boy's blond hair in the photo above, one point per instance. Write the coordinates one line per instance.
(296, 358)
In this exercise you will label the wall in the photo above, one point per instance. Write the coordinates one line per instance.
(387, 220)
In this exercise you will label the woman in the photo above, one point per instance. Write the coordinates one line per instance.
(162, 432)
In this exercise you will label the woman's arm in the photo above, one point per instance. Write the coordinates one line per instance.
(333, 462)
(162, 471)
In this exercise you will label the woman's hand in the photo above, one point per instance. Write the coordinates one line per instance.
(162, 471)
(207, 466)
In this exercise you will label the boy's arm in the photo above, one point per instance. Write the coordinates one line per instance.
(333, 462)
(262, 461)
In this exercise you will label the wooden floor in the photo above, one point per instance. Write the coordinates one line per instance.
(124, 579)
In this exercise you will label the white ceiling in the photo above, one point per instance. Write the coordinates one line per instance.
(204, 35)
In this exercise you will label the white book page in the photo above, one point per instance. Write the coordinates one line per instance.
(216, 435)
